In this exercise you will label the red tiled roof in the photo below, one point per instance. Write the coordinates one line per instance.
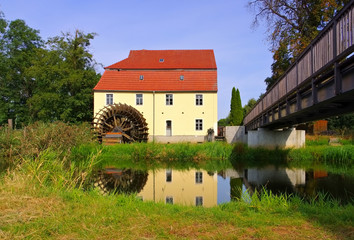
(162, 80)
(172, 59)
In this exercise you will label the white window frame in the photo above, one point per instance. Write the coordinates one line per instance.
(199, 101)
(197, 124)
(169, 99)
(181, 77)
(139, 101)
(109, 98)
(198, 177)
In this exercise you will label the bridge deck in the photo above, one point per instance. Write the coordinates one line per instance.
(319, 84)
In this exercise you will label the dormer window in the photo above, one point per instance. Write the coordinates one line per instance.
(161, 60)
(181, 77)
(141, 77)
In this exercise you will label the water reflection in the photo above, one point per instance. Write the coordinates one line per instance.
(201, 188)
(307, 184)
(192, 187)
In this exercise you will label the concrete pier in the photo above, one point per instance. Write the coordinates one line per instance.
(289, 138)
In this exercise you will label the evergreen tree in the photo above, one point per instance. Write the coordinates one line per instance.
(236, 111)
(239, 109)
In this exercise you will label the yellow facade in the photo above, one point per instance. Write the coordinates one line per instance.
(182, 187)
(183, 113)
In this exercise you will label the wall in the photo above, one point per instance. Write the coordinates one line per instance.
(290, 138)
(235, 134)
(182, 113)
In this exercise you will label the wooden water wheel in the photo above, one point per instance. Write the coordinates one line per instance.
(120, 122)
(112, 180)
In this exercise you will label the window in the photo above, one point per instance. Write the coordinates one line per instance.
(169, 200)
(161, 60)
(169, 99)
(199, 100)
(199, 124)
(109, 99)
(198, 177)
(139, 99)
(199, 201)
(141, 77)
(181, 77)
(168, 175)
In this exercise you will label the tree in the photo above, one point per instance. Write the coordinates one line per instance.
(224, 121)
(18, 44)
(343, 124)
(236, 112)
(65, 75)
(292, 25)
(248, 107)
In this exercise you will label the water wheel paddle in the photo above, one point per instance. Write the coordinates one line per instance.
(112, 180)
(120, 122)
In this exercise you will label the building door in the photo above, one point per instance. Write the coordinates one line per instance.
(168, 128)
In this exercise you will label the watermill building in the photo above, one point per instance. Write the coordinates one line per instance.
(175, 91)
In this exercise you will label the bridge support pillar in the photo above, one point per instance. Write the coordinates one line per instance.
(289, 138)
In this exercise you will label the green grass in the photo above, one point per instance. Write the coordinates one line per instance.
(210, 156)
(46, 192)
(30, 210)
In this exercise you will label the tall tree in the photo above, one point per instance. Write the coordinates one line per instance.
(292, 24)
(18, 44)
(236, 111)
(65, 75)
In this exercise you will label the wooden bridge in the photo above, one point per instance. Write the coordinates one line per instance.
(319, 84)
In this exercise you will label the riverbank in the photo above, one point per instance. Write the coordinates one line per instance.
(47, 192)
(32, 210)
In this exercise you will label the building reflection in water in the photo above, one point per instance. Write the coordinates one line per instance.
(192, 187)
(201, 188)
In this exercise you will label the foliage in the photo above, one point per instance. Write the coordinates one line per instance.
(337, 159)
(65, 76)
(45, 81)
(292, 25)
(18, 45)
(236, 112)
(209, 156)
(31, 141)
(248, 107)
(344, 124)
(50, 191)
(224, 121)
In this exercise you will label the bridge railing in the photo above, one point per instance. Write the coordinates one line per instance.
(332, 42)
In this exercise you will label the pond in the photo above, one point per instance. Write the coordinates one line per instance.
(206, 188)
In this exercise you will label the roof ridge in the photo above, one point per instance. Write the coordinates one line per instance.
(177, 59)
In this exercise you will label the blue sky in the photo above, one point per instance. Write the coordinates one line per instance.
(242, 53)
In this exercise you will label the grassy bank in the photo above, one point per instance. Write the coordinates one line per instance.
(217, 156)
(34, 211)
(45, 191)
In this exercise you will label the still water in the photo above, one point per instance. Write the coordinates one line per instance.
(201, 188)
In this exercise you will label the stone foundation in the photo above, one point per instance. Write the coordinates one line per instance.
(290, 138)
(179, 139)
